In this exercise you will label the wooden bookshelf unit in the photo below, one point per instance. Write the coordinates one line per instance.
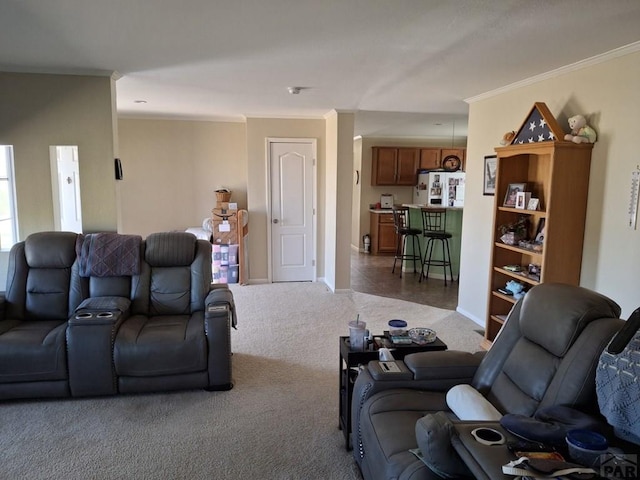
(557, 173)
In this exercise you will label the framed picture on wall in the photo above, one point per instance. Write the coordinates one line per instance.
(490, 166)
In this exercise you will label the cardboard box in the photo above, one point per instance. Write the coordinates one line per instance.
(224, 214)
(224, 232)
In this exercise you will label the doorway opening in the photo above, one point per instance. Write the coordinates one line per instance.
(65, 188)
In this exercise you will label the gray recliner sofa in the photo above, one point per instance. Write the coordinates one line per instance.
(66, 330)
(36, 305)
(545, 355)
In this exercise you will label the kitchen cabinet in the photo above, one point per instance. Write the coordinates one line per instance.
(383, 233)
(394, 165)
(431, 158)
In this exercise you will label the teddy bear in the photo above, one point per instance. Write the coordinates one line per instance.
(508, 137)
(580, 131)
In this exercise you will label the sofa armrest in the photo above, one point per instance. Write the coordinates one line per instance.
(433, 371)
(90, 338)
(450, 367)
(484, 461)
(105, 304)
(3, 302)
(430, 371)
(220, 316)
(220, 296)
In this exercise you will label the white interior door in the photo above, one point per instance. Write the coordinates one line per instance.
(65, 183)
(292, 177)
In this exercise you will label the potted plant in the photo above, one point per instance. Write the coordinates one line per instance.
(512, 233)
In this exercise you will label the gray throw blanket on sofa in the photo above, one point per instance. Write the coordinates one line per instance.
(108, 254)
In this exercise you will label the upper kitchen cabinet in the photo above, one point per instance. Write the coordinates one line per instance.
(433, 158)
(394, 165)
(429, 158)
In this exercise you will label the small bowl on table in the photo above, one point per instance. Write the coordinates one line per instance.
(422, 335)
(397, 327)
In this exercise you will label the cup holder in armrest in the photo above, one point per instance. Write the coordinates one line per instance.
(86, 317)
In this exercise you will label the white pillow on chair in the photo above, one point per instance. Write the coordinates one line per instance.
(469, 404)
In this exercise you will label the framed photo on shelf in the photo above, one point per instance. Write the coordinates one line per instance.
(540, 231)
(533, 204)
(490, 166)
(522, 200)
(512, 194)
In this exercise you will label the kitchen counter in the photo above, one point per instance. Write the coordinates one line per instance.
(411, 205)
(421, 205)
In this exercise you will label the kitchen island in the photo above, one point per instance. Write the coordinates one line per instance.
(453, 226)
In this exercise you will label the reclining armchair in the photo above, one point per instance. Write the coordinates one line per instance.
(38, 301)
(177, 335)
(546, 354)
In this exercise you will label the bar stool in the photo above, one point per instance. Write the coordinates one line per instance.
(434, 223)
(402, 224)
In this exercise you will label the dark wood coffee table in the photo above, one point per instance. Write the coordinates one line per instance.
(350, 360)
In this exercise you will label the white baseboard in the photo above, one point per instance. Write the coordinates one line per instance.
(257, 281)
(473, 318)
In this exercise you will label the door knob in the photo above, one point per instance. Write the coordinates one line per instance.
(275, 220)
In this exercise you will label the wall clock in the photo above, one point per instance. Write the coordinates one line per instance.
(451, 163)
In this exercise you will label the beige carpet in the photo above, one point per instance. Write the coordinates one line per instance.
(280, 421)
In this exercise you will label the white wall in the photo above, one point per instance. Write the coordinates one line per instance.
(258, 130)
(339, 172)
(41, 110)
(607, 94)
(356, 197)
(172, 168)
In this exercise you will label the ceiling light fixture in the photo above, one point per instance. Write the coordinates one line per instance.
(294, 90)
(139, 101)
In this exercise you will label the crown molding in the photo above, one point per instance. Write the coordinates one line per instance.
(595, 60)
(126, 115)
(84, 72)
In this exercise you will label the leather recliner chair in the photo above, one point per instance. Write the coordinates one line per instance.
(37, 303)
(176, 336)
(546, 354)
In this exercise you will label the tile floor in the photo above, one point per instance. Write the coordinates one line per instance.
(372, 274)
